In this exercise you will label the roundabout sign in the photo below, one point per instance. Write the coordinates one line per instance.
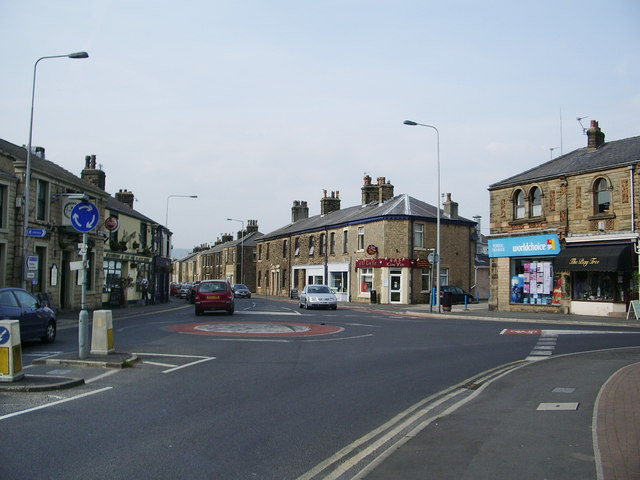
(256, 329)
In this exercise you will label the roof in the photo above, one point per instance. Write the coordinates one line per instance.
(49, 168)
(249, 240)
(618, 153)
(400, 207)
(116, 205)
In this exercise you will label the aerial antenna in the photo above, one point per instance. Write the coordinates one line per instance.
(584, 130)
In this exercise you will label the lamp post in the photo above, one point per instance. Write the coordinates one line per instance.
(166, 218)
(241, 249)
(27, 176)
(436, 256)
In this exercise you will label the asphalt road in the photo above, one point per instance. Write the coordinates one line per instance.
(268, 393)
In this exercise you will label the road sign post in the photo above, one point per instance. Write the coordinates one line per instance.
(84, 218)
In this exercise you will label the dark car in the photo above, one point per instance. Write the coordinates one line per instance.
(36, 319)
(458, 295)
(184, 290)
(214, 295)
(241, 291)
(193, 291)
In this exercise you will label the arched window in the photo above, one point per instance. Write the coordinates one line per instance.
(535, 199)
(518, 204)
(602, 196)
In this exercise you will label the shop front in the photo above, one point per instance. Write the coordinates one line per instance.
(386, 280)
(525, 276)
(600, 276)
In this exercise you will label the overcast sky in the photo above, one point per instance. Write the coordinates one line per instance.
(254, 104)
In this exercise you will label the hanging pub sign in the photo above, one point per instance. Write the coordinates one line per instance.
(112, 224)
(372, 250)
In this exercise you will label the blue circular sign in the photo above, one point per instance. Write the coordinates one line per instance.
(85, 216)
(4, 335)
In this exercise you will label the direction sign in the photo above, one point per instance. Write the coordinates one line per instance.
(36, 232)
(85, 216)
(5, 334)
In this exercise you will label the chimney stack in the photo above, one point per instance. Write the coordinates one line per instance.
(91, 174)
(450, 207)
(299, 211)
(252, 226)
(329, 204)
(125, 197)
(595, 136)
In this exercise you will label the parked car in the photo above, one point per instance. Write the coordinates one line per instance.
(457, 294)
(174, 289)
(317, 296)
(193, 291)
(36, 319)
(184, 290)
(241, 291)
(214, 295)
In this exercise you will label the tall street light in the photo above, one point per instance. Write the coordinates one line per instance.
(436, 256)
(27, 178)
(166, 217)
(241, 249)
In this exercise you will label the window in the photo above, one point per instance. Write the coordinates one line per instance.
(268, 245)
(444, 276)
(360, 238)
(518, 205)
(323, 244)
(338, 281)
(532, 282)
(535, 198)
(345, 241)
(418, 235)
(41, 200)
(112, 272)
(260, 252)
(4, 191)
(602, 196)
(297, 246)
(332, 243)
(425, 280)
(285, 249)
(596, 287)
(312, 244)
(143, 235)
(366, 280)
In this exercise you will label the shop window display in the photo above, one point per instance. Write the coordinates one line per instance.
(532, 282)
(597, 287)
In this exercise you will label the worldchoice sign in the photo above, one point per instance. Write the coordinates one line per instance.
(528, 246)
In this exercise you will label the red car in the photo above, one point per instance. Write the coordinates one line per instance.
(174, 289)
(214, 295)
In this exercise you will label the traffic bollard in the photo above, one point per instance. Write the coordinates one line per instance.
(10, 351)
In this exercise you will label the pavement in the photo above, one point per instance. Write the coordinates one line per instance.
(563, 417)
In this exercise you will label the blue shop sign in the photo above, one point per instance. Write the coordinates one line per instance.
(529, 246)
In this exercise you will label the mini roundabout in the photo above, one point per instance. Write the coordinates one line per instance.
(256, 329)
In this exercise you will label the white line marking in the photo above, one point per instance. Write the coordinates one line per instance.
(174, 368)
(106, 374)
(77, 397)
(189, 364)
(257, 312)
(159, 364)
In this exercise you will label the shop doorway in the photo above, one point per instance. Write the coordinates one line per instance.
(395, 286)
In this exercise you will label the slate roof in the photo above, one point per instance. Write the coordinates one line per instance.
(48, 167)
(400, 207)
(618, 153)
(117, 206)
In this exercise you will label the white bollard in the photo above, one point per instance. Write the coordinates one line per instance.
(10, 351)
(102, 333)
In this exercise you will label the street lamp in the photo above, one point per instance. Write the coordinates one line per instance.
(166, 218)
(241, 249)
(436, 256)
(27, 178)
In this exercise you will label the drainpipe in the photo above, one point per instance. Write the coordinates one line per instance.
(633, 198)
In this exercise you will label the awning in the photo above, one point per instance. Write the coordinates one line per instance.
(592, 258)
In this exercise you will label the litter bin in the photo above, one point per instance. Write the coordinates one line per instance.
(294, 293)
(446, 301)
(374, 296)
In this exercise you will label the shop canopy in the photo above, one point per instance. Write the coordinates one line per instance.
(595, 258)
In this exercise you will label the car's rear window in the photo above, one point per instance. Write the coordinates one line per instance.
(208, 287)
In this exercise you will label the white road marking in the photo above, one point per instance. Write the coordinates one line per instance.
(173, 368)
(58, 402)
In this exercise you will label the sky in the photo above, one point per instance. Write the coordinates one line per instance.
(251, 105)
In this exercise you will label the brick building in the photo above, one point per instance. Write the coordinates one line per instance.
(563, 233)
(378, 246)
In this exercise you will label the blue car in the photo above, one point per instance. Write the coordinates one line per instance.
(37, 320)
(241, 291)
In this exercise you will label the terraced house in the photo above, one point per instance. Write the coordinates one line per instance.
(377, 250)
(564, 234)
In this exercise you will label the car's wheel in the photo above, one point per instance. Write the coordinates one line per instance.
(334, 307)
(50, 333)
(198, 312)
(230, 311)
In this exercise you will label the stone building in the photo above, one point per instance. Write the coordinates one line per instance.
(377, 250)
(563, 233)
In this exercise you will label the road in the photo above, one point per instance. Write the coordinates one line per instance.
(271, 392)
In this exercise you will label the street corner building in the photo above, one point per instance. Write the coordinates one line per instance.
(375, 252)
(564, 234)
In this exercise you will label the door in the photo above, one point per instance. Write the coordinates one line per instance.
(395, 287)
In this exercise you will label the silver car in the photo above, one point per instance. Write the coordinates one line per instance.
(318, 296)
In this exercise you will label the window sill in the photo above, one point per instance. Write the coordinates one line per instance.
(521, 221)
(602, 216)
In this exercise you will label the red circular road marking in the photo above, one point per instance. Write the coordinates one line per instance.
(255, 329)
